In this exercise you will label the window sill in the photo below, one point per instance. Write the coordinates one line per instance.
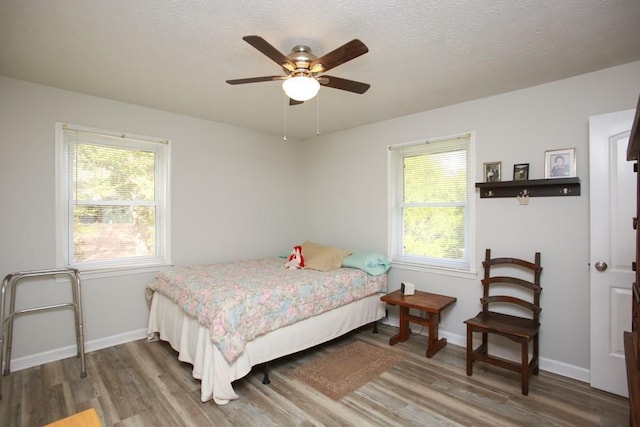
(122, 271)
(434, 270)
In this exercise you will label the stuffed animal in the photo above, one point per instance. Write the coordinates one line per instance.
(296, 259)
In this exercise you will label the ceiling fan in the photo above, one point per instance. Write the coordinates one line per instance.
(302, 80)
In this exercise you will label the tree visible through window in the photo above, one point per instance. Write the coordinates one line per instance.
(430, 203)
(114, 199)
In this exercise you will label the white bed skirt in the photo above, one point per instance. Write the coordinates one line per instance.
(191, 340)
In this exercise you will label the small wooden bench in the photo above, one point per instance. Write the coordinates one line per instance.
(431, 305)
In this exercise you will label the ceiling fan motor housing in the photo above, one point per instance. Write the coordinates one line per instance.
(301, 55)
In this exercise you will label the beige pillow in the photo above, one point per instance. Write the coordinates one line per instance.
(322, 258)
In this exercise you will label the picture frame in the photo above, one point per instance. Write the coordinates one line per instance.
(492, 171)
(521, 172)
(560, 163)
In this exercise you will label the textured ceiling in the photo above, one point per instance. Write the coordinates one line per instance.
(423, 54)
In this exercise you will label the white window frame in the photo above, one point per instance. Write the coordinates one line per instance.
(64, 203)
(395, 190)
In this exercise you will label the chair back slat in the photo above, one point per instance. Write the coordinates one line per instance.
(515, 261)
(511, 300)
(511, 280)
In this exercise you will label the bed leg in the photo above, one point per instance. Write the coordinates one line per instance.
(375, 327)
(265, 370)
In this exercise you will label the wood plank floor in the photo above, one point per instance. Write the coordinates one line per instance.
(143, 384)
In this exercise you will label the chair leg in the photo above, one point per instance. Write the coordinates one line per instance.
(535, 355)
(525, 368)
(485, 343)
(469, 351)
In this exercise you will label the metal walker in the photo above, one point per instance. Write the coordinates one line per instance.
(10, 283)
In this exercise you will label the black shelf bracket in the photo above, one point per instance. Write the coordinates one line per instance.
(532, 188)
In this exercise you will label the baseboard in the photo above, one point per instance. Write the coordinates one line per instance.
(549, 365)
(70, 351)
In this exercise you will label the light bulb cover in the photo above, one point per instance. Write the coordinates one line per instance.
(301, 88)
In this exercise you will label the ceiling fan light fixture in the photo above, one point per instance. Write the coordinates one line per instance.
(301, 88)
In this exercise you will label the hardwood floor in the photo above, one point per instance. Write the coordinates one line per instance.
(143, 384)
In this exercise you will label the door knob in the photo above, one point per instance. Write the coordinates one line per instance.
(601, 266)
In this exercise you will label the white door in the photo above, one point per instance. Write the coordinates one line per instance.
(612, 186)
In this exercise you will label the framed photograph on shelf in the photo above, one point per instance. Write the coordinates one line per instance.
(560, 163)
(521, 172)
(492, 171)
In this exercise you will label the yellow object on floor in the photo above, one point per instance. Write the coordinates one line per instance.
(88, 418)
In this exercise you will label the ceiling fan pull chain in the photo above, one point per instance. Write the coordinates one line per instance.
(284, 138)
(318, 114)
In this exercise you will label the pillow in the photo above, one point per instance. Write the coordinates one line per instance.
(372, 263)
(322, 258)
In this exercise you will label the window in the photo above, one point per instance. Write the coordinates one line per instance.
(431, 203)
(112, 199)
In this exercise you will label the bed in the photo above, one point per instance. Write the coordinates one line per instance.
(225, 318)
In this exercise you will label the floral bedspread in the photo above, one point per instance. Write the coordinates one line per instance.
(242, 300)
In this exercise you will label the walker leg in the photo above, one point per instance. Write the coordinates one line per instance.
(79, 325)
(12, 308)
(3, 290)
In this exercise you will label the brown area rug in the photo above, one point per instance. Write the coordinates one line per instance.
(346, 369)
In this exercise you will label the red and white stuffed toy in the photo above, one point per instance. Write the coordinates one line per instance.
(296, 259)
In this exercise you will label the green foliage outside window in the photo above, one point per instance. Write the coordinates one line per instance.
(114, 212)
(434, 205)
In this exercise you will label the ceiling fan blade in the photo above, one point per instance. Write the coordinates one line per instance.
(294, 102)
(271, 52)
(344, 84)
(255, 80)
(339, 56)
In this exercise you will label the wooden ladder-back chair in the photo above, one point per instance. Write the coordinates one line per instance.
(522, 330)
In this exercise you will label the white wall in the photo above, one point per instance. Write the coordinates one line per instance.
(234, 195)
(345, 182)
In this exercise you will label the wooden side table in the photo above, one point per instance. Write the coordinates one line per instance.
(431, 305)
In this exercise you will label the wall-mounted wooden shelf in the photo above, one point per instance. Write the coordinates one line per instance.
(531, 188)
